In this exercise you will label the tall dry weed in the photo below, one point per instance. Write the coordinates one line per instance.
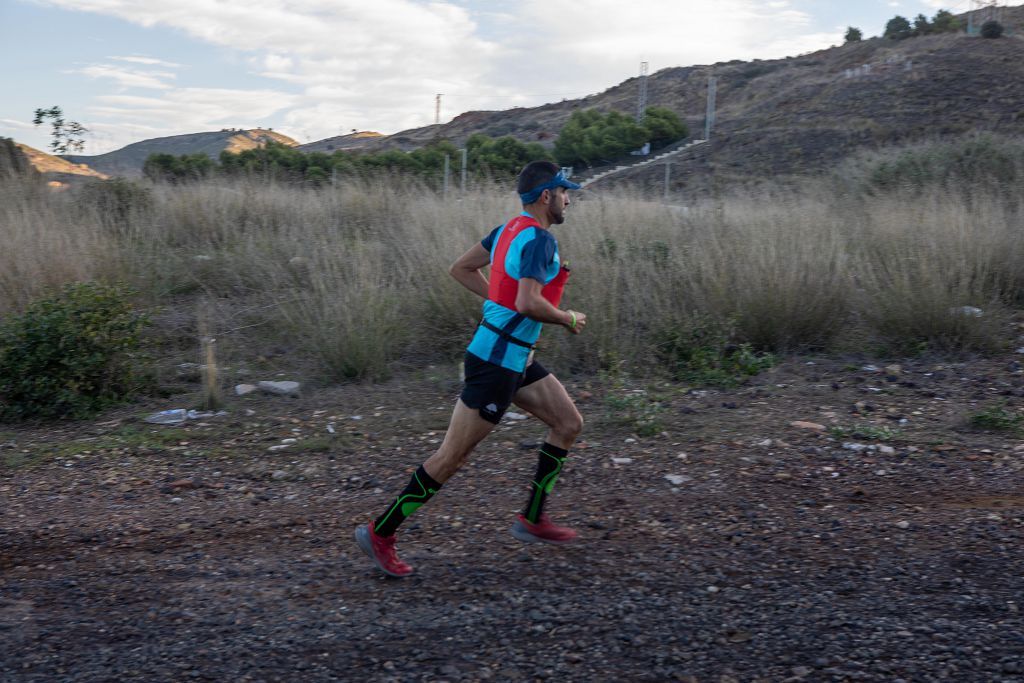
(356, 276)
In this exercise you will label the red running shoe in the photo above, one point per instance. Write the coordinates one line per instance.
(381, 550)
(541, 532)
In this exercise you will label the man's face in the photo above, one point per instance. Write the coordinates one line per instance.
(557, 205)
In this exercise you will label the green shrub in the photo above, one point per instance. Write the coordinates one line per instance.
(853, 35)
(996, 418)
(968, 164)
(701, 351)
(69, 355)
(991, 29)
(898, 28)
(945, 22)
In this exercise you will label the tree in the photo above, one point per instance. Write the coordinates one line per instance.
(853, 35)
(898, 28)
(663, 126)
(922, 27)
(991, 29)
(945, 21)
(68, 136)
(172, 169)
(589, 137)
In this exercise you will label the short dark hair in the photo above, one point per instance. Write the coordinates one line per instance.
(535, 173)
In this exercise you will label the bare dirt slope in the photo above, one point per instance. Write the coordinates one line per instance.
(730, 547)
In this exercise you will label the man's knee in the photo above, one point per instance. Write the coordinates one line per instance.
(571, 425)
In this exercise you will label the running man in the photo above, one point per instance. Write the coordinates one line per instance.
(527, 279)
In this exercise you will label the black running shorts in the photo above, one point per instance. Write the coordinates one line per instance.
(489, 388)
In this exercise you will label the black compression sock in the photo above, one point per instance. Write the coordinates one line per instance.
(420, 489)
(549, 465)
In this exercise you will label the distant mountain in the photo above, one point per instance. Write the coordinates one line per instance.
(55, 168)
(128, 161)
(790, 116)
(352, 141)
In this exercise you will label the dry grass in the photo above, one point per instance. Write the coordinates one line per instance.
(357, 276)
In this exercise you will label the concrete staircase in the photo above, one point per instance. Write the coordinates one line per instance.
(646, 162)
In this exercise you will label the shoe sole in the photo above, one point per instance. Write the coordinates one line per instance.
(520, 532)
(364, 542)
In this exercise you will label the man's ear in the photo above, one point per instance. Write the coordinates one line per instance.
(546, 196)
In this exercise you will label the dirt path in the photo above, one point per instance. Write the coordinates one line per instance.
(886, 548)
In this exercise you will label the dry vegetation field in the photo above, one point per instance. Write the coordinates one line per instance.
(354, 278)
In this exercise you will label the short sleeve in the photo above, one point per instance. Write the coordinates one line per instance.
(537, 255)
(488, 242)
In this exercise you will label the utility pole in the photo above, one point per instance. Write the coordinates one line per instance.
(437, 108)
(464, 157)
(668, 172)
(447, 166)
(641, 102)
(709, 118)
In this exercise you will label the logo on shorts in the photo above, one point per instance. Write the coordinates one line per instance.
(491, 408)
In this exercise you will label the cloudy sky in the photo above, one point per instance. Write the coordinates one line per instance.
(135, 69)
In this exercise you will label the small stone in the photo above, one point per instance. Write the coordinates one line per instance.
(245, 389)
(801, 671)
(894, 369)
(279, 475)
(176, 500)
(279, 388)
(813, 426)
(712, 589)
(516, 416)
(903, 524)
(622, 461)
(188, 372)
(887, 450)
(677, 479)
(279, 447)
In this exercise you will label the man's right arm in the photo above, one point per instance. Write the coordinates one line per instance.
(466, 270)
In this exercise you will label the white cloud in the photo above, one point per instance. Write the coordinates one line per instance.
(148, 61)
(14, 125)
(128, 78)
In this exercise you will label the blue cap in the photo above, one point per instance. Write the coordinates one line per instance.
(558, 181)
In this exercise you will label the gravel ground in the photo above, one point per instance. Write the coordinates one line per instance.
(731, 546)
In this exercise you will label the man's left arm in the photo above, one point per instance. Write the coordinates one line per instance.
(466, 270)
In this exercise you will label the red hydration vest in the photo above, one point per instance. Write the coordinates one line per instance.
(503, 288)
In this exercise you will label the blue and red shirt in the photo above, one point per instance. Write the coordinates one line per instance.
(529, 251)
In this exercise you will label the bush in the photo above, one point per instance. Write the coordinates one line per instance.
(590, 137)
(663, 126)
(922, 26)
(991, 29)
(898, 28)
(853, 35)
(996, 418)
(69, 355)
(701, 351)
(172, 169)
(945, 22)
(967, 164)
